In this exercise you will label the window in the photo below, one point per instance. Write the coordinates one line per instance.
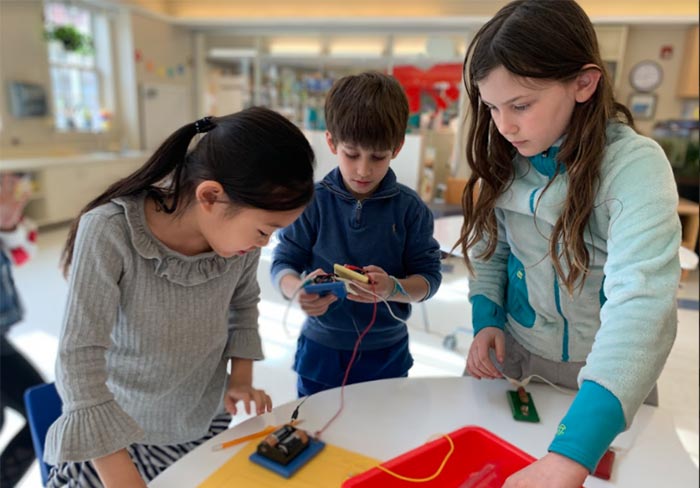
(75, 74)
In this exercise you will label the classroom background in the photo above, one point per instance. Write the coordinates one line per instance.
(90, 87)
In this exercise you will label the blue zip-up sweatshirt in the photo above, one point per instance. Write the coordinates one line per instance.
(392, 229)
(623, 321)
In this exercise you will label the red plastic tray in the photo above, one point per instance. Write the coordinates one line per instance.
(480, 459)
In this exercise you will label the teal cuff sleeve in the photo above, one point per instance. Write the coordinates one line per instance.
(593, 421)
(486, 313)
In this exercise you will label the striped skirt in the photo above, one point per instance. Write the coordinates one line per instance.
(150, 460)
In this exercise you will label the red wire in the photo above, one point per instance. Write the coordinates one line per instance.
(347, 370)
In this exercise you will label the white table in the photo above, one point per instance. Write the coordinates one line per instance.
(689, 260)
(383, 419)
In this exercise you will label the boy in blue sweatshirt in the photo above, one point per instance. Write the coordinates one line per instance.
(361, 216)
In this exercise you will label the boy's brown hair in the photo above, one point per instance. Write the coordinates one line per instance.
(369, 110)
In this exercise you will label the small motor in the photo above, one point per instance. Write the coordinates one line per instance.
(284, 444)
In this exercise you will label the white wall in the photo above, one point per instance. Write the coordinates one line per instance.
(645, 42)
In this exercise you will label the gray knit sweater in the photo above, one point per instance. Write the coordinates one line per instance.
(146, 337)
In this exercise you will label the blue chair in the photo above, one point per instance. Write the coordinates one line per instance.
(43, 408)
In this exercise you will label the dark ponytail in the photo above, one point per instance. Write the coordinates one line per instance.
(260, 158)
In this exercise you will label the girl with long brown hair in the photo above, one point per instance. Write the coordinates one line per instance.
(570, 230)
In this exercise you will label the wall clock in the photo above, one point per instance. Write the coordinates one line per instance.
(646, 76)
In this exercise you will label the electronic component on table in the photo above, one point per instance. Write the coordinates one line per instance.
(521, 405)
(524, 401)
(284, 444)
(280, 458)
(350, 273)
(326, 283)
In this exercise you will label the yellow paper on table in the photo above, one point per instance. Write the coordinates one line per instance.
(330, 467)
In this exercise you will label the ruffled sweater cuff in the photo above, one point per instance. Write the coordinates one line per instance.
(244, 344)
(90, 433)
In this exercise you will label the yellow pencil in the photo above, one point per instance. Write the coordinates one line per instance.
(267, 430)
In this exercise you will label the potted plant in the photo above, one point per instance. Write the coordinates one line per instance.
(70, 38)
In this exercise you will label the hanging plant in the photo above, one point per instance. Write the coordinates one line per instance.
(70, 38)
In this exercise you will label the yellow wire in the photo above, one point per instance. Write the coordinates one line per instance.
(429, 478)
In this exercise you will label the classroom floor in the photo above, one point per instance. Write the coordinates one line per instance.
(448, 313)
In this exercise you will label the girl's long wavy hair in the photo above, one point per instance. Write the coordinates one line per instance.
(260, 158)
(540, 40)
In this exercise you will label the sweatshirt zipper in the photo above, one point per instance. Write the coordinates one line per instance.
(358, 211)
(565, 338)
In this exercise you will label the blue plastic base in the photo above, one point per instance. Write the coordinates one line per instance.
(315, 446)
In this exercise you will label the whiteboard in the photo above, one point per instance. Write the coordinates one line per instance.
(165, 107)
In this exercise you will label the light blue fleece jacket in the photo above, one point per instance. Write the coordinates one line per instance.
(622, 323)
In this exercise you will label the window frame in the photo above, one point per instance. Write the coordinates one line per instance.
(87, 64)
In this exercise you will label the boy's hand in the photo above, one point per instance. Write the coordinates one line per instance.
(314, 304)
(479, 362)
(380, 283)
(247, 394)
(551, 471)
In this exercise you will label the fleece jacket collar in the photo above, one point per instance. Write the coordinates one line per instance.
(388, 187)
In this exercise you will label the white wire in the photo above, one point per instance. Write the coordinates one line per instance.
(377, 296)
(348, 284)
(286, 310)
(524, 383)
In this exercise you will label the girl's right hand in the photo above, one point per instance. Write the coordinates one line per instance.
(479, 362)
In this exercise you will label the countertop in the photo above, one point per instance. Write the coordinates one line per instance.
(35, 163)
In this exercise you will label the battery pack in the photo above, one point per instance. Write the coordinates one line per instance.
(349, 274)
(315, 446)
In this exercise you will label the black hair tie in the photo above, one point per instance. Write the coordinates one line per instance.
(204, 124)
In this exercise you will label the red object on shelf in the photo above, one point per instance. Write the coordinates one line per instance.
(480, 459)
(441, 81)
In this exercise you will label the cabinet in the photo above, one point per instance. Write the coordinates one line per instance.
(690, 222)
(63, 186)
(688, 80)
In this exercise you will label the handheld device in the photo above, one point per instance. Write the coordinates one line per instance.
(326, 283)
(351, 274)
